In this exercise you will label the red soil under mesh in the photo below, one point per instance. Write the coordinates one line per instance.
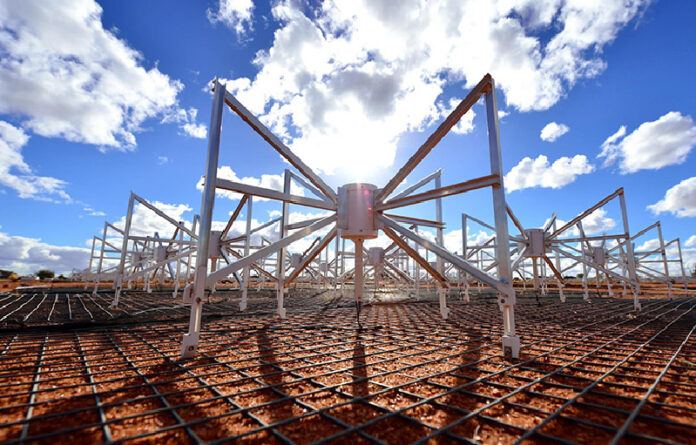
(407, 376)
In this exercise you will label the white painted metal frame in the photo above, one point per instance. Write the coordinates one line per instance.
(328, 201)
(144, 256)
(647, 260)
(556, 248)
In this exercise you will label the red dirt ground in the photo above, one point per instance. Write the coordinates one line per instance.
(587, 373)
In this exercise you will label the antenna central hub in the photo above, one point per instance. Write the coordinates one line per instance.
(536, 240)
(375, 256)
(356, 214)
(599, 255)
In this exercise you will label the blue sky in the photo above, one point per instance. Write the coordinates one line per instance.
(103, 98)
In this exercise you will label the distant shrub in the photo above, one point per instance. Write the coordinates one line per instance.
(44, 274)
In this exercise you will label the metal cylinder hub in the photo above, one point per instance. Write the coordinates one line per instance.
(535, 246)
(375, 256)
(356, 216)
(599, 255)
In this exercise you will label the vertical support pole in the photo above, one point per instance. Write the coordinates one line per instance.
(150, 277)
(191, 250)
(259, 276)
(606, 265)
(124, 251)
(405, 266)
(560, 270)
(282, 253)
(629, 253)
(144, 264)
(91, 255)
(325, 269)
(189, 343)
(440, 230)
(418, 274)
(467, 297)
(586, 294)
(134, 267)
(247, 269)
(523, 268)
(459, 276)
(683, 272)
(544, 281)
(427, 277)
(343, 263)
(91, 259)
(213, 268)
(375, 278)
(101, 260)
(442, 293)
(177, 278)
(511, 342)
(624, 269)
(664, 261)
(479, 264)
(162, 274)
(442, 296)
(335, 265)
(358, 275)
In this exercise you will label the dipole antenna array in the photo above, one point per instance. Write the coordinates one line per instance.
(357, 213)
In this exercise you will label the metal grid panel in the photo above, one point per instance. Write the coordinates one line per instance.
(588, 373)
(75, 308)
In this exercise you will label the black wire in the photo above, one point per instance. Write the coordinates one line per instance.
(358, 307)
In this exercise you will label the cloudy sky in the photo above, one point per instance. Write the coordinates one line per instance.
(100, 98)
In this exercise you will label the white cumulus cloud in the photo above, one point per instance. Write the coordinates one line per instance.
(28, 255)
(91, 212)
(691, 241)
(235, 14)
(145, 222)
(342, 82)
(453, 239)
(553, 131)
(539, 173)
(274, 182)
(68, 77)
(186, 119)
(466, 123)
(679, 200)
(689, 258)
(198, 131)
(653, 145)
(16, 174)
(595, 222)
